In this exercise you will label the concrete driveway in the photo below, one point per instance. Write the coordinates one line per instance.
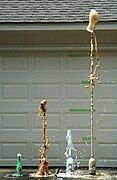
(101, 174)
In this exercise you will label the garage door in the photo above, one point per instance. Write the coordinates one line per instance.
(26, 78)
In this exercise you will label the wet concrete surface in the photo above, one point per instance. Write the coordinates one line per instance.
(82, 173)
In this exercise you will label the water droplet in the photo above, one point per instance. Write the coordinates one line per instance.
(86, 86)
(106, 71)
(37, 118)
(78, 164)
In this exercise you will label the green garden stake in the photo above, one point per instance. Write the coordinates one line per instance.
(85, 82)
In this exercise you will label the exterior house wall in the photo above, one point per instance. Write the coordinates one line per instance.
(60, 37)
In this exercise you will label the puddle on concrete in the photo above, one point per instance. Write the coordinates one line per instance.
(81, 174)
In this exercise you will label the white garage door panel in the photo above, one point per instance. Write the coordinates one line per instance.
(78, 121)
(51, 91)
(41, 63)
(76, 91)
(108, 91)
(108, 121)
(9, 149)
(26, 78)
(14, 91)
(14, 64)
(72, 63)
(14, 121)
